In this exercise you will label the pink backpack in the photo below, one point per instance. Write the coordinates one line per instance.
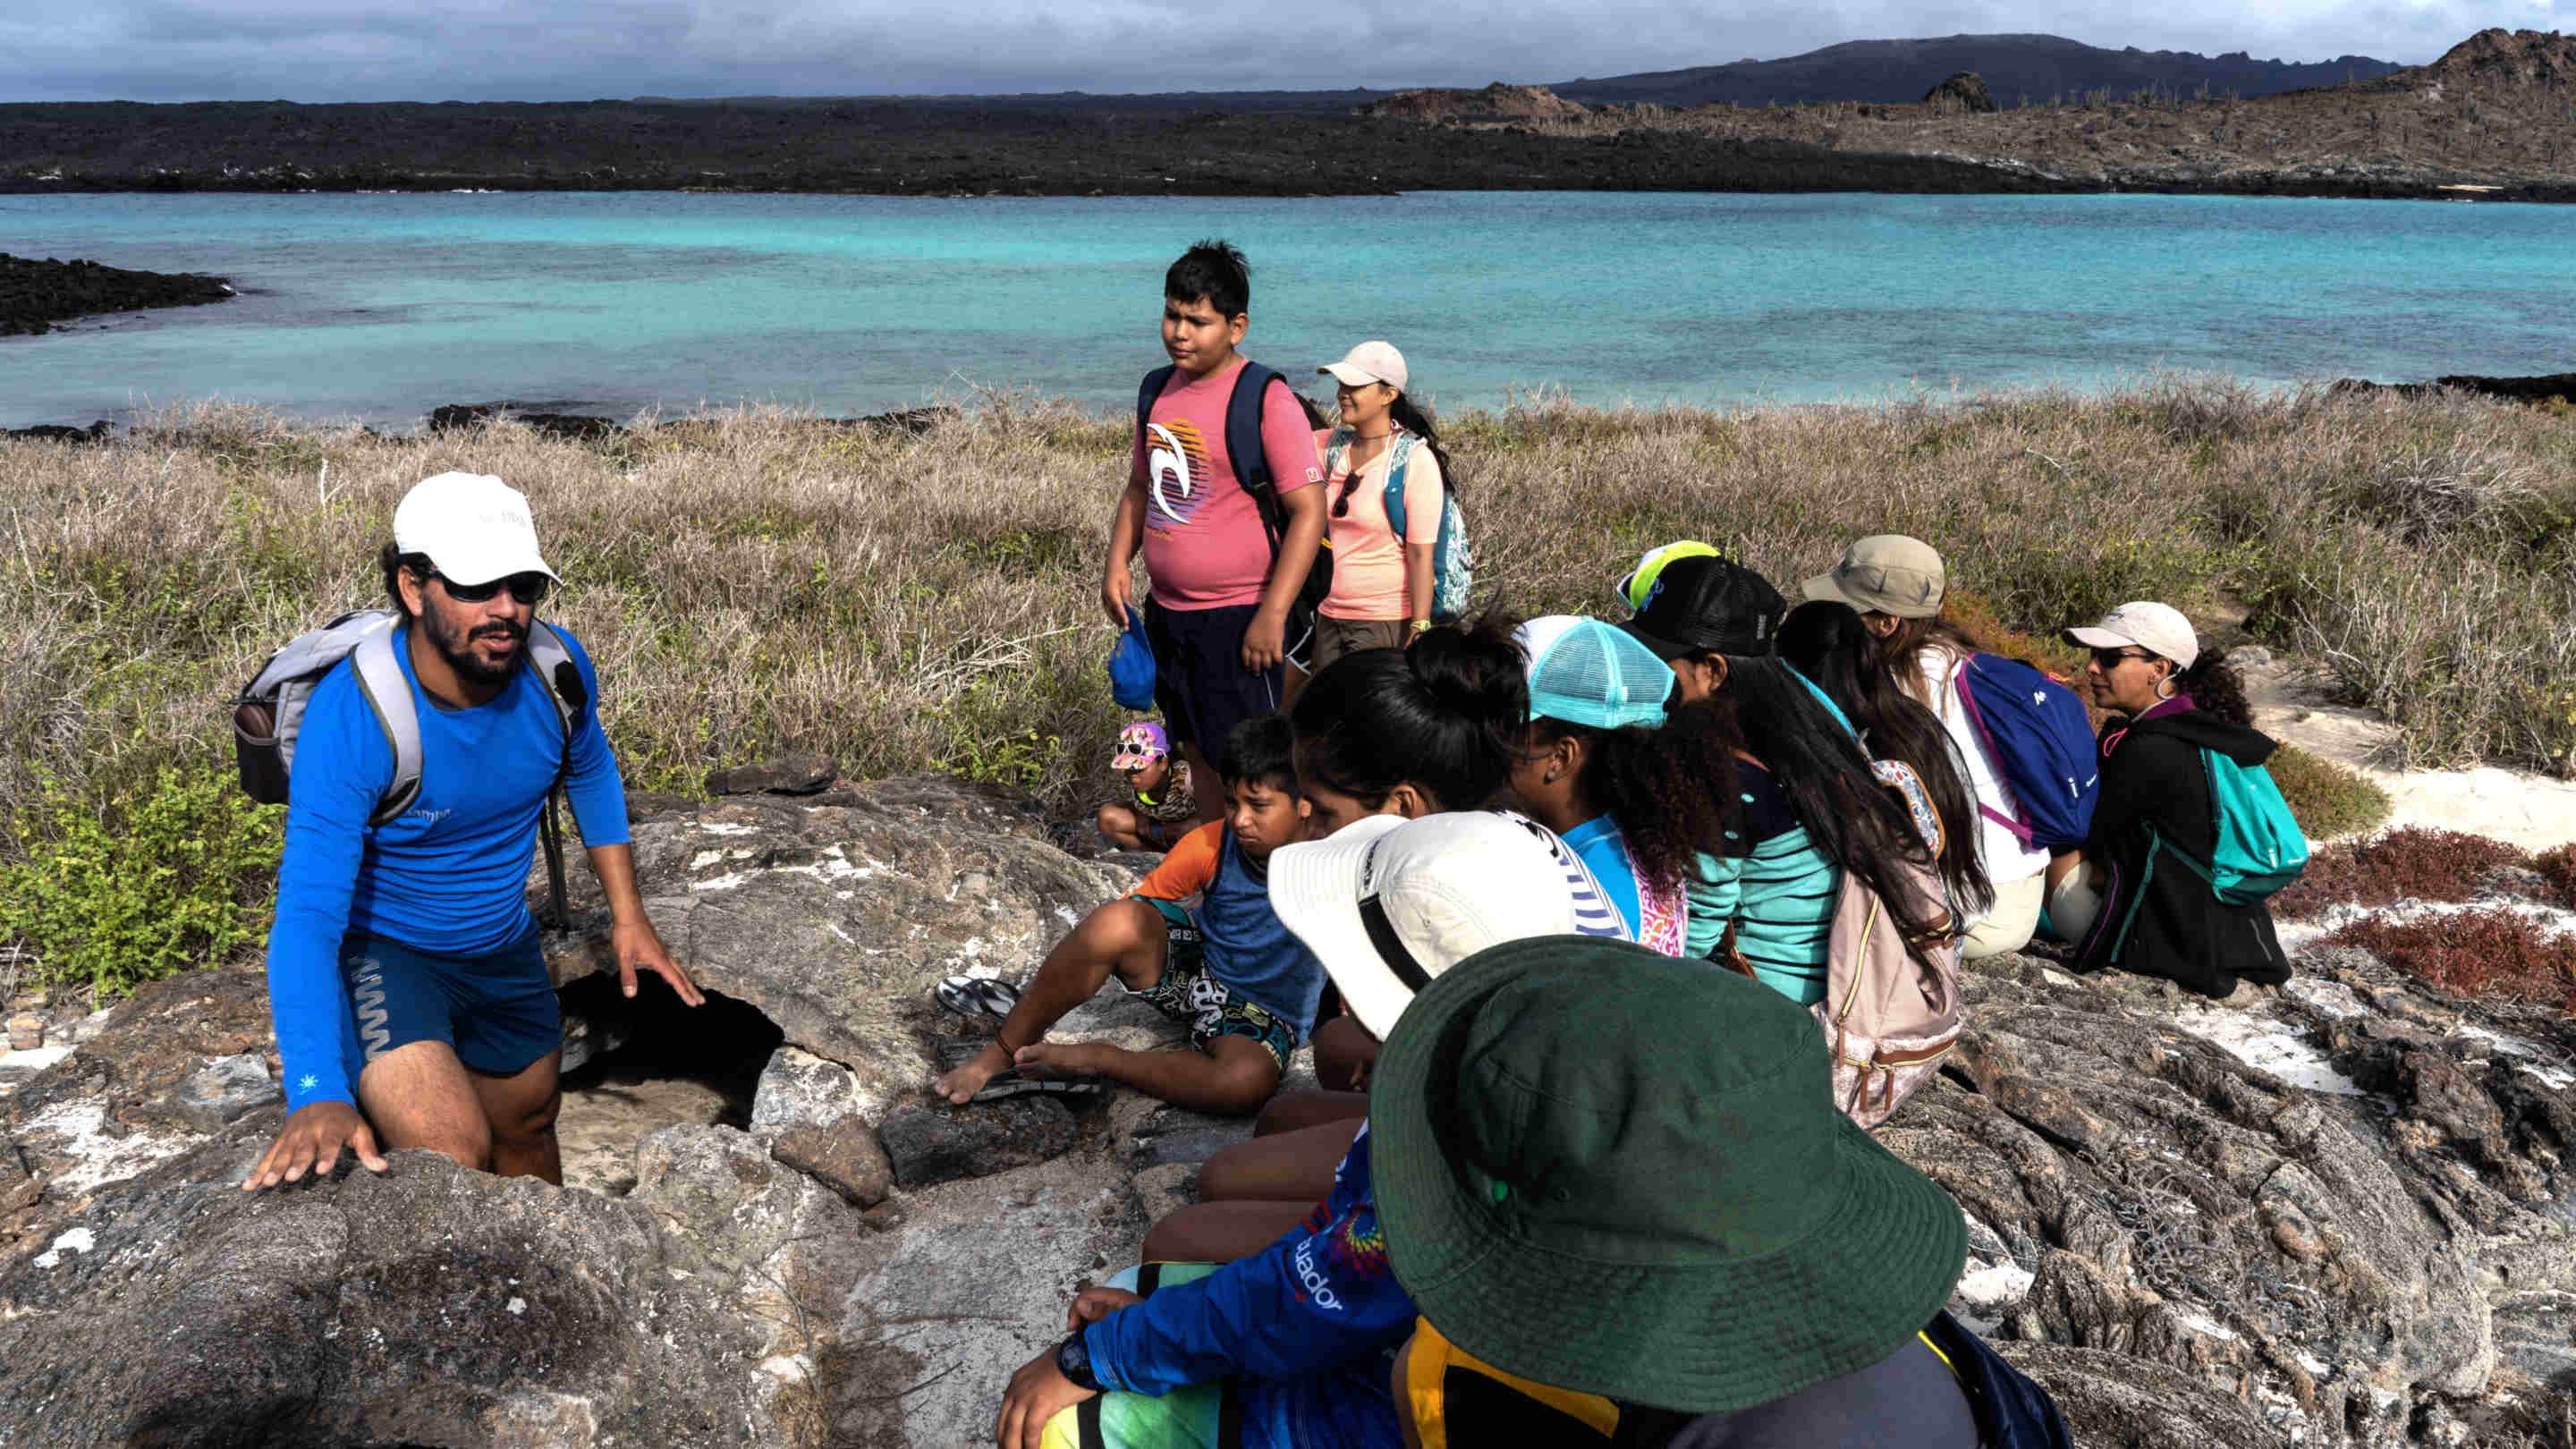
(1889, 1019)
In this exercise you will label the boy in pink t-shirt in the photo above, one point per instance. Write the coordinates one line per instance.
(1219, 608)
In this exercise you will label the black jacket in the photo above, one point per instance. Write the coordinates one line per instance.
(2158, 917)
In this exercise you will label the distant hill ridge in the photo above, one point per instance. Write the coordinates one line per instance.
(2017, 68)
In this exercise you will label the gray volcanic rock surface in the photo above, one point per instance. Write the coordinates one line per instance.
(2334, 1215)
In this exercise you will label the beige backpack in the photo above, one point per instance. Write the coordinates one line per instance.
(1889, 1019)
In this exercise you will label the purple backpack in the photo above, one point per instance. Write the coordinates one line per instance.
(2041, 740)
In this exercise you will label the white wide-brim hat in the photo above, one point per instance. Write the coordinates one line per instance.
(1388, 903)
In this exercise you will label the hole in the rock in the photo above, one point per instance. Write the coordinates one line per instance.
(636, 1067)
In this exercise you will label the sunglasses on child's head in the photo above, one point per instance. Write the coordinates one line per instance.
(528, 589)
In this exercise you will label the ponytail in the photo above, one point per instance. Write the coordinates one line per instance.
(1443, 716)
(1826, 641)
(1852, 820)
(1414, 420)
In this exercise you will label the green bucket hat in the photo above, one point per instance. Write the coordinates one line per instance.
(1619, 1173)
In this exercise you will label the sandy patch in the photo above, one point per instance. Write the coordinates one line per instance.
(2535, 812)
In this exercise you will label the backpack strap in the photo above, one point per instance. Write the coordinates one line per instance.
(551, 660)
(1399, 453)
(1336, 443)
(1243, 445)
(388, 695)
(2021, 829)
(1147, 394)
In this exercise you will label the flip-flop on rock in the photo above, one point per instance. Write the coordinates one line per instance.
(1013, 1082)
(976, 995)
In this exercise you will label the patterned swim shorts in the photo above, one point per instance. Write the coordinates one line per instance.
(1189, 994)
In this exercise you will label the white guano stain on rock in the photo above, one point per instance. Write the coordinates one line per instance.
(101, 1159)
(2264, 1041)
(74, 1240)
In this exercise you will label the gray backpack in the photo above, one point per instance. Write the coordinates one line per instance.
(269, 716)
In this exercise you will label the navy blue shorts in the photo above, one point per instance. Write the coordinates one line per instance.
(496, 1011)
(1200, 683)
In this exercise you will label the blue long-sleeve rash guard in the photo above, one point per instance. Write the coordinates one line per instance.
(449, 876)
(1306, 1324)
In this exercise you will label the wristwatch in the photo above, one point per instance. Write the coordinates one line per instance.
(1073, 1360)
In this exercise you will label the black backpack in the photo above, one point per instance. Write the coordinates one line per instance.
(1252, 470)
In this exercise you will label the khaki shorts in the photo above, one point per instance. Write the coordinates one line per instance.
(1337, 637)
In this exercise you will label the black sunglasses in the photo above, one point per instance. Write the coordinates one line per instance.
(2110, 658)
(529, 589)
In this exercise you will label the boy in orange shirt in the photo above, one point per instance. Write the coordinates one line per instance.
(1228, 967)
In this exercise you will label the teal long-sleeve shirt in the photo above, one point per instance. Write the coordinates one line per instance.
(1779, 891)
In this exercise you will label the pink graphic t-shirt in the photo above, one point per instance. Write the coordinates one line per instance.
(1204, 544)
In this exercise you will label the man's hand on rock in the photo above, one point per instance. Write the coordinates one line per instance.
(316, 1130)
(638, 945)
(1038, 1392)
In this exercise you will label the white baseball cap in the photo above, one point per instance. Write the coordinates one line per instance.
(473, 526)
(1367, 363)
(2160, 628)
(1387, 903)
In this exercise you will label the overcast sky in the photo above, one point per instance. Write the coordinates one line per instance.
(330, 50)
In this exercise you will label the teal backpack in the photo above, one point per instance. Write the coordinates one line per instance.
(2260, 845)
(1453, 565)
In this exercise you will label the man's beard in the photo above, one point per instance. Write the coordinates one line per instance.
(455, 646)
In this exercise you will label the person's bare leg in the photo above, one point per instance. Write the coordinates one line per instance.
(1311, 1109)
(1284, 1167)
(1234, 1074)
(1203, 782)
(2062, 865)
(1122, 827)
(1125, 938)
(1220, 1232)
(1344, 1052)
(420, 1096)
(521, 1110)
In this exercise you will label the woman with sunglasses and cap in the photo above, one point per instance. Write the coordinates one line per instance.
(1382, 584)
(2169, 701)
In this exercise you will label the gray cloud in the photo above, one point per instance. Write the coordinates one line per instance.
(327, 50)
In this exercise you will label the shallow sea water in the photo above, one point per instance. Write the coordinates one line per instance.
(377, 308)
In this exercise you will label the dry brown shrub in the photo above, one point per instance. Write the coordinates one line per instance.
(2409, 863)
(755, 580)
(2492, 953)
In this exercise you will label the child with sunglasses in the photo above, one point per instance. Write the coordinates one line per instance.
(1381, 596)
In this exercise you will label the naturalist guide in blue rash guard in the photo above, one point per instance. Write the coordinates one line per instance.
(450, 875)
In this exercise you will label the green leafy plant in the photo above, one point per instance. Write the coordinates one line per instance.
(112, 894)
(2328, 799)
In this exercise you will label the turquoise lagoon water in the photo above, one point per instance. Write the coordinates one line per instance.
(379, 307)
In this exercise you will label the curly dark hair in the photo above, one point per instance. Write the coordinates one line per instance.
(2216, 689)
(1669, 790)
(393, 561)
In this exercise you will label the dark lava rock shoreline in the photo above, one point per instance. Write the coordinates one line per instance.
(896, 150)
(34, 295)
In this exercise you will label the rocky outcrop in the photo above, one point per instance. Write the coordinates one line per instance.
(456, 417)
(1496, 102)
(2330, 1215)
(34, 295)
(2545, 387)
(1963, 92)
